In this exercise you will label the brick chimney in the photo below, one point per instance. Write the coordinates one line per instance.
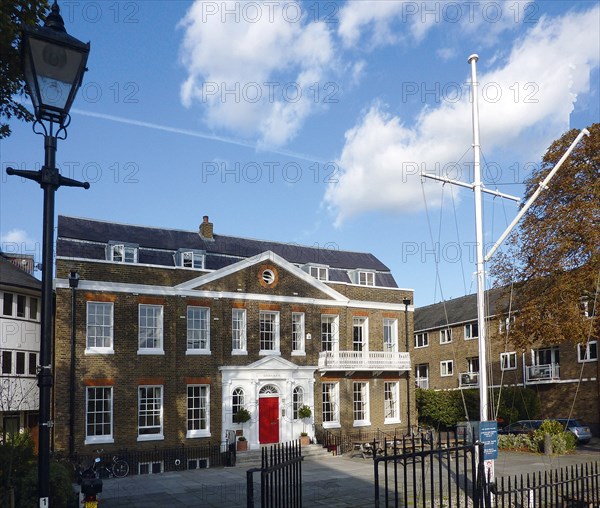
(206, 229)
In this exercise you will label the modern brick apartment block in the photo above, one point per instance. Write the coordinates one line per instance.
(20, 310)
(176, 331)
(445, 356)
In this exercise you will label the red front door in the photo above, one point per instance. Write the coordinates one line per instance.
(268, 418)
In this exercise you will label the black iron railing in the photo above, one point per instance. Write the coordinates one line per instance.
(280, 477)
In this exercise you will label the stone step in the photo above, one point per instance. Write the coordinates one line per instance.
(252, 458)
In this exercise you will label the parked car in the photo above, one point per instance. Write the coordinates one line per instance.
(581, 432)
(521, 427)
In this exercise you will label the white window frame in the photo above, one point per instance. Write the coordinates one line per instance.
(590, 348)
(5, 300)
(553, 351)
(508, 360)
(238, 401)
(127, 251)
(200, 403)
(319, 272)
(470, 328)
(297, 401)
(199, 334)
(445, 335)
(35, 317)
(366, 278)
(238, 332)
(391, 402)
(263, 333)
(472, 362)
(151, 465)
(360, 324)
(505, 324)
(418, 376)
(421, 340)
(332, 390)
(21, 306)
(298, 334)
(99, 438)
(333, 320)
(157, 349)
(360, 405)
(106, 350)
(444, 371)
(390, 334)
(152, 412)
(192, 259)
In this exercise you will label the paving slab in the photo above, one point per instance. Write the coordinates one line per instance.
(337, 482)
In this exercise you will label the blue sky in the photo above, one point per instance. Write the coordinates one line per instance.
(308, 122)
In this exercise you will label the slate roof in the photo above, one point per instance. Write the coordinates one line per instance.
(159, 245)
(11, 275)
(457, 310)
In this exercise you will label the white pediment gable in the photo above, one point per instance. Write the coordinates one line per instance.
(265, 256)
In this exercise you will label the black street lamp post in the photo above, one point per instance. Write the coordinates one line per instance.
(53, 65)
(406, 303)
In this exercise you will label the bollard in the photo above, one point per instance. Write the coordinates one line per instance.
(547, 444)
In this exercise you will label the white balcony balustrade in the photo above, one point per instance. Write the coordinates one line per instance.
(364, 360)
(468, 379)
(543, 373)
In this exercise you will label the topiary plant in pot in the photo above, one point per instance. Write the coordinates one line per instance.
(304, 413)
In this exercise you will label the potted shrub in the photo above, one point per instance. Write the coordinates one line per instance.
(241, 417)
(304, 413)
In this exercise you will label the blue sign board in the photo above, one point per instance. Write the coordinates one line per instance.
(488, 435)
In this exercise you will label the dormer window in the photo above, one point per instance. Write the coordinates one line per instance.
(362, 277)
(319, 272)
(122, 252)
(191, 259)
(366, 278)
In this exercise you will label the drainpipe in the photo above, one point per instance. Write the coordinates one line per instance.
(406, 303)
(73, 283)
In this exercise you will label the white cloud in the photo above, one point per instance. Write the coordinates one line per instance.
(356, 17)
(252, 73)
(524, 104)
(17, 241)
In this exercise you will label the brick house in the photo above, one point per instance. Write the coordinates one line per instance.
(177, 330)
(445, 356)
(20, 312)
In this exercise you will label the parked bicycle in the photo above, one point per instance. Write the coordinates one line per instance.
(118, 468)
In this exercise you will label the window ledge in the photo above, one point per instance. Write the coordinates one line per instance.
(392, 420)
(361, 423)
(198, 352)
(269, 353)
(332, 425)
(150, 352)
(298, 353)
(98, 351)
(151, 437)
(193, 434)
(98, 440)
(239, 352)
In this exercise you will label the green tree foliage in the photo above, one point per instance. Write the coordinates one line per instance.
(19, 476)
(14, 14)
(444, 409)
(554, 257)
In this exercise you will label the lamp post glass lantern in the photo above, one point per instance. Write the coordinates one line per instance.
(53, 67)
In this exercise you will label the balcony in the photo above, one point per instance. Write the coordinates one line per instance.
(543, 373)
(468, 379)
(377, 361)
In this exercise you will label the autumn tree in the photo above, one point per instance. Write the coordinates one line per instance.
(14, 14)
(552, 264)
